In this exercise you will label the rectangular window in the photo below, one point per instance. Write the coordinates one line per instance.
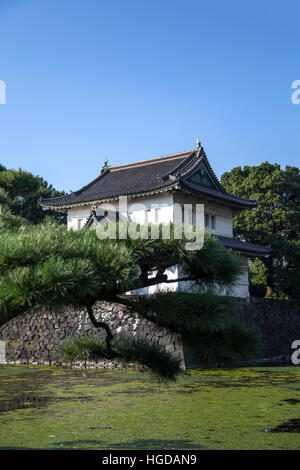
(80, 223)
(213, 222)
(206, 220)
(194, 215)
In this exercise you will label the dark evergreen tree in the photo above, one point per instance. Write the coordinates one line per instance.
(25, 190)
(275, 222)
(46, 265)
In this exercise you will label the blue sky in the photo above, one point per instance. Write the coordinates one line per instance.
(129, 80)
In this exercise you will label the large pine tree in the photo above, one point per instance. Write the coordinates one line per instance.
(46, 265)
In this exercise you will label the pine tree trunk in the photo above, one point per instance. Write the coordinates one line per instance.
(267, 265)
(101, 324)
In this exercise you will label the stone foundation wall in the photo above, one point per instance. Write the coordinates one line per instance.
(278, 321)
(36, 338)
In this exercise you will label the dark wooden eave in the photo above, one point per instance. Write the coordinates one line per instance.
(248, 249)
(217, 196)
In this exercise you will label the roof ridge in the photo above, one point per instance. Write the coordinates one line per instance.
(149, 160)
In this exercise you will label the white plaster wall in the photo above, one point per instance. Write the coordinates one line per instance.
(241, 288)
(77, 213)
(164, 287)
(164, 202)
(222, 213)
(158, 206)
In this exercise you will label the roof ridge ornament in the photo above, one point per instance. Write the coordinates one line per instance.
(105, 166)
(198, 144)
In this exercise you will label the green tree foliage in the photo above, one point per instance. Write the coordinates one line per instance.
(8, 221)
(25, 190)
(46, 265)
(275, 222)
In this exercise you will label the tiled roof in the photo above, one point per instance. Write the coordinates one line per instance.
(123, 180)
(156, 174)
(247, 248)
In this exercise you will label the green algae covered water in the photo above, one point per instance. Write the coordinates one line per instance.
(246, 408)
